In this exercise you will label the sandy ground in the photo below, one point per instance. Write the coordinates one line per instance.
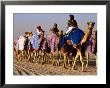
(26, 67)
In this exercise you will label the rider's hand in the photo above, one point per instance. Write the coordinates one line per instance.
(81, 43)
(74, 46)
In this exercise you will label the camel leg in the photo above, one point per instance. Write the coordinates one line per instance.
(31, 56)
(24, 54)
(50, 57)
(37, 55)
(87, 57)
(74, 62)
(96, 60)
(43, 56)
(59, 57)
(28, 55)
(21, 55)
(81, 59)
(34, 55)
(68, 61)
(18, 56)
(53, 57)
(29, 52)
(65, 60)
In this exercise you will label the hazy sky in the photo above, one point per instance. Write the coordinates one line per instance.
(29, 21)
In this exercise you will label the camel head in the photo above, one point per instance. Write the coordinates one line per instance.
(60, 33)
(26, 34)
(42, 34)
(90, 25)
(30, 34)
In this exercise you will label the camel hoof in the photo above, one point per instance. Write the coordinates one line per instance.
(54, 64)
(74, 68)
(58, 64)
(84, 70)
(86, 66)
(33, 61)
(69, 65)
(65, 67)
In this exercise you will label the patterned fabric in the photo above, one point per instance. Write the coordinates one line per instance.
(62, 41)
(53, 41)
(91, 45)
(43, 44)
(35, 41)
(21, 41)
(75, 36)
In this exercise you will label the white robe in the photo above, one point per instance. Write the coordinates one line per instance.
(21, 41)
(69, 30)
(38, 31)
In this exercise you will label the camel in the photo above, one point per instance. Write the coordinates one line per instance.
(92, 48)
(84, 41)
(43, 48)
(77, 50)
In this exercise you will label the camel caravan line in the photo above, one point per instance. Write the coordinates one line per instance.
(57, 47)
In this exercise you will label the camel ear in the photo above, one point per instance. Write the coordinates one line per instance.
(87, 23)
(93, 23)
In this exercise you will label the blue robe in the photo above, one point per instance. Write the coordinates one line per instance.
(75, 36)
(35, 41)
(62, 41)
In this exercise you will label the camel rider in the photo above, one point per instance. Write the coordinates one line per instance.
(39, 30)
(36, 37)
(71, 21)
(55, 29)
(71, 17)
(74, 34)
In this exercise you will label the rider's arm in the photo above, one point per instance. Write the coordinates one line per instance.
(69, 29)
